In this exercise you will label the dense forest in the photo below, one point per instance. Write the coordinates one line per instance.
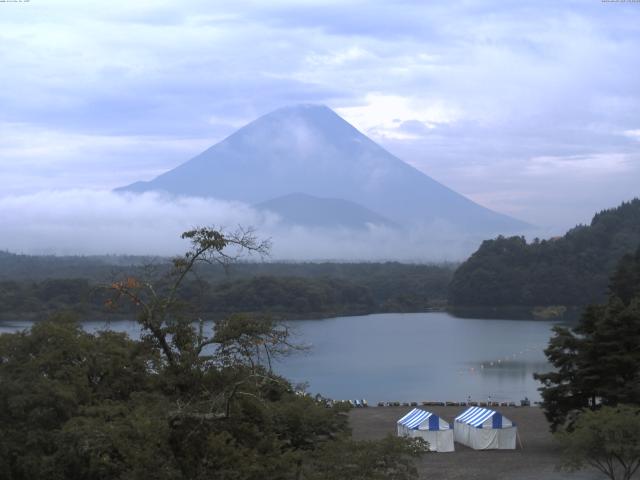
(32, 286)
(597, 362)
(175, 404)
(591, 396)
(572, 270)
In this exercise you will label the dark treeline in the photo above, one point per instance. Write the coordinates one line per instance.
(598, 361)
(32, 286)
(572, 270)
(42, 267)
(591, 396)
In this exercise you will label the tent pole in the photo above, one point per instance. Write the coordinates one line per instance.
(519, 440)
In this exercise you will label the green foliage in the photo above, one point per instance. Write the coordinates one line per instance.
(282, 295)
(625, 282)
(389, 459)
(597, 362)
(84, 406)
(282, 290)
(47, 296)
(607, 439)
(178, 404)
(250, 342)
(49, 376)
(570, 270)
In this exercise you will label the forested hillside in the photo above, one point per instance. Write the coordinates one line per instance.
(572, 270)
(34, 286)
(599, 357)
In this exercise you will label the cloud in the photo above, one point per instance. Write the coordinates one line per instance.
(91, 222)
(579, 165)
(98, 95)
(391, 116)
(635, 134)
(102, 222)
(36, 158)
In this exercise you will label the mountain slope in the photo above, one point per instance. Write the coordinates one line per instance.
(312, 150)
(307, 210)
(571, 270)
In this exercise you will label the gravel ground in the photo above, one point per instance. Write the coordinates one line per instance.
(537, 459)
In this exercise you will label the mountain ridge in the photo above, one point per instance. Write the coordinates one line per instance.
(307, 210)
(310, 149)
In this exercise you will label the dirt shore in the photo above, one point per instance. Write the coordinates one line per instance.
(537, 459)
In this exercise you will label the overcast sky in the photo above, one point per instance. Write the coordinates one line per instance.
(529, 108)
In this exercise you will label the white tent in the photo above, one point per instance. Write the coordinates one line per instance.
(428, 426)
(484, 429)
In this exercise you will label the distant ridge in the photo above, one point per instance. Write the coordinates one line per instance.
(307, 210)
(311, 150)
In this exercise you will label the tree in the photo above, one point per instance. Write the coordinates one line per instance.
(179, 403)
(597, 362)
(571, 270)
(253, 342)
(160, 310)
(53, 375)
(625, 282)
(607, 439)
(389, 459)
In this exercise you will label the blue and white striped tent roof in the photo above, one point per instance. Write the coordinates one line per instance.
(478, 417)
(423, 420)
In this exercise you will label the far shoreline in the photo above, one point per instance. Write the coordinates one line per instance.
(528, 313)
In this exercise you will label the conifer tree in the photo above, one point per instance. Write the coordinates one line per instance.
(597, 362)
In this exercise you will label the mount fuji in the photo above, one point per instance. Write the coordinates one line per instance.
(309, 150)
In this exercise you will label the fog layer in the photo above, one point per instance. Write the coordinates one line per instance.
(88, 222)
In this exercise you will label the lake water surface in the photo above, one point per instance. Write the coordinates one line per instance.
(408, 357)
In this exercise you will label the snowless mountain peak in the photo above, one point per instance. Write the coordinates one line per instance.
(310, 149)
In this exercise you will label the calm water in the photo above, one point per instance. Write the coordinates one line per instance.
(409, 357)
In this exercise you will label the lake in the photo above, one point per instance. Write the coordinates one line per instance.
(408, 356)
